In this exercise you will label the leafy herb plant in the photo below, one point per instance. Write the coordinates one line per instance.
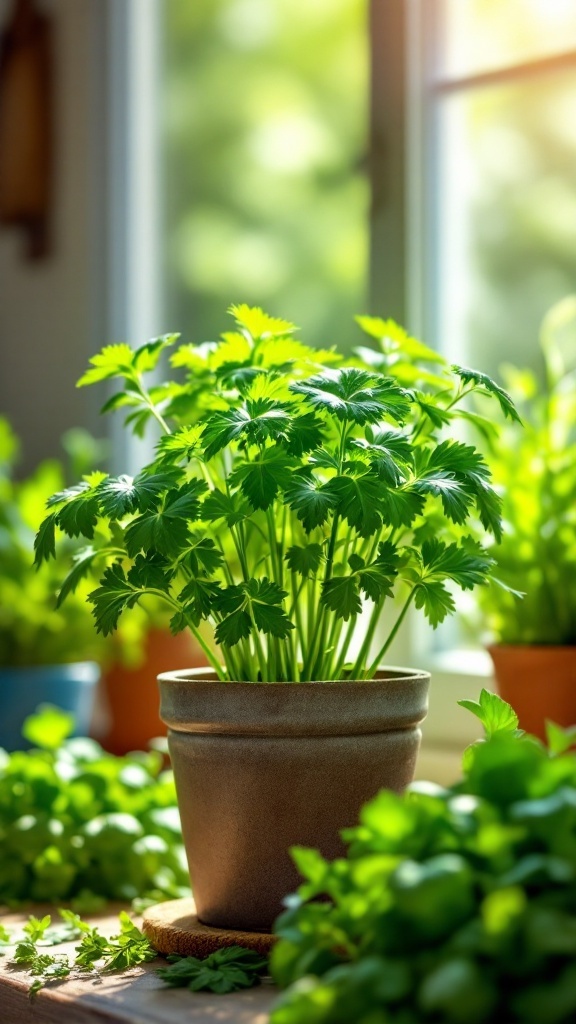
(288, 490)
(535, 470)
(78, 824)
(455, 905)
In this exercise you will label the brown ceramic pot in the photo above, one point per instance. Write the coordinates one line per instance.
(539, 682)
(260, 767)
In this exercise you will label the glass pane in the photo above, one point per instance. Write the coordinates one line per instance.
(480, 35)
(506, 240)
(265, 113)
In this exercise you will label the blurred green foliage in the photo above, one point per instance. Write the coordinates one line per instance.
(452, 905)
(32, 630)
(79, 824)
(534, 468)
(265, 119)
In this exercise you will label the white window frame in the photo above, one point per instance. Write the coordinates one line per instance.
(131, 306)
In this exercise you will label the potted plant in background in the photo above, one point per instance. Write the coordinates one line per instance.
(534, 652)
(46, 655)
(288, 491)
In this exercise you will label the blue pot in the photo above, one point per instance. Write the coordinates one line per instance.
(70, 687)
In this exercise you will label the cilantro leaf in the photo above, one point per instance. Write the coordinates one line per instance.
(112, 361)
(355, 395)
(118, 496)
(203, 555)
(45, 540)
(256, 421)
(260, 324)
(306, 432)
(436, 601)
(262, 477)
(304, 560)
(376, 580)
(198, 597)
(483, 383)
(401, 506)
(77, 513)
(166, 530)
(150, 571)
(256, 600)
(340, 594)
(149, 486)
(233, 628)
(82, 563)
(111, 598)
(183, 444)
(265, 599)
(456, 501)
(389, 454)
(359, 501)
(217, 505)
(310, 499)
(466, 564)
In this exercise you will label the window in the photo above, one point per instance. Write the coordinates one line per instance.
(492, 210)
(264, 112)
(267, 148)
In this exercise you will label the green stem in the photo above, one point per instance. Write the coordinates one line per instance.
(318, 647)
(376, 663)
(367, 641)
(346, 641)
(148, 401)
(194, 629)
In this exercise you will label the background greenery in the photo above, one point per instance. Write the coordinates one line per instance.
(265, 123)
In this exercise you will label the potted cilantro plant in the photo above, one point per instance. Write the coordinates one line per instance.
(534, 632)
(289, 493)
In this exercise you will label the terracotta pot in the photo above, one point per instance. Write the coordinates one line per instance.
(539, 682)
(131, 694)
(260, 767)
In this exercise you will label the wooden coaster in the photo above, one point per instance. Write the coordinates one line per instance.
(173, 927)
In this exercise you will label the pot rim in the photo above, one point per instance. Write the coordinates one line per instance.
(386, 673)
(197, 701)
(530, 647)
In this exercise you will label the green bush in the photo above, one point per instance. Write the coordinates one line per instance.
(77, 823)
(452, 905)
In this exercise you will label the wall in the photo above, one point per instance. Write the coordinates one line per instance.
(49, 310)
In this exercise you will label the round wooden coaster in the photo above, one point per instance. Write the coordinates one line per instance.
(173, 927)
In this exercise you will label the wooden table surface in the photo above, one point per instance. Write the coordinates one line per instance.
(132, 997)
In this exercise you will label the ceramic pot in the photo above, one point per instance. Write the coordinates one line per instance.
(539, 681)
(70, 687)
(131, 693)
(260, 767)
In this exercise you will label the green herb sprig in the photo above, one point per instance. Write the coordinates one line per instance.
(289, 490)
(96, 952)
(455, 905)
(226, 970)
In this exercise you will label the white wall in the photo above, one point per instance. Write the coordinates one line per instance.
(50, 319)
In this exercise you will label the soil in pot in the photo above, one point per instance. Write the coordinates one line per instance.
(260, 767)
(539, 682)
